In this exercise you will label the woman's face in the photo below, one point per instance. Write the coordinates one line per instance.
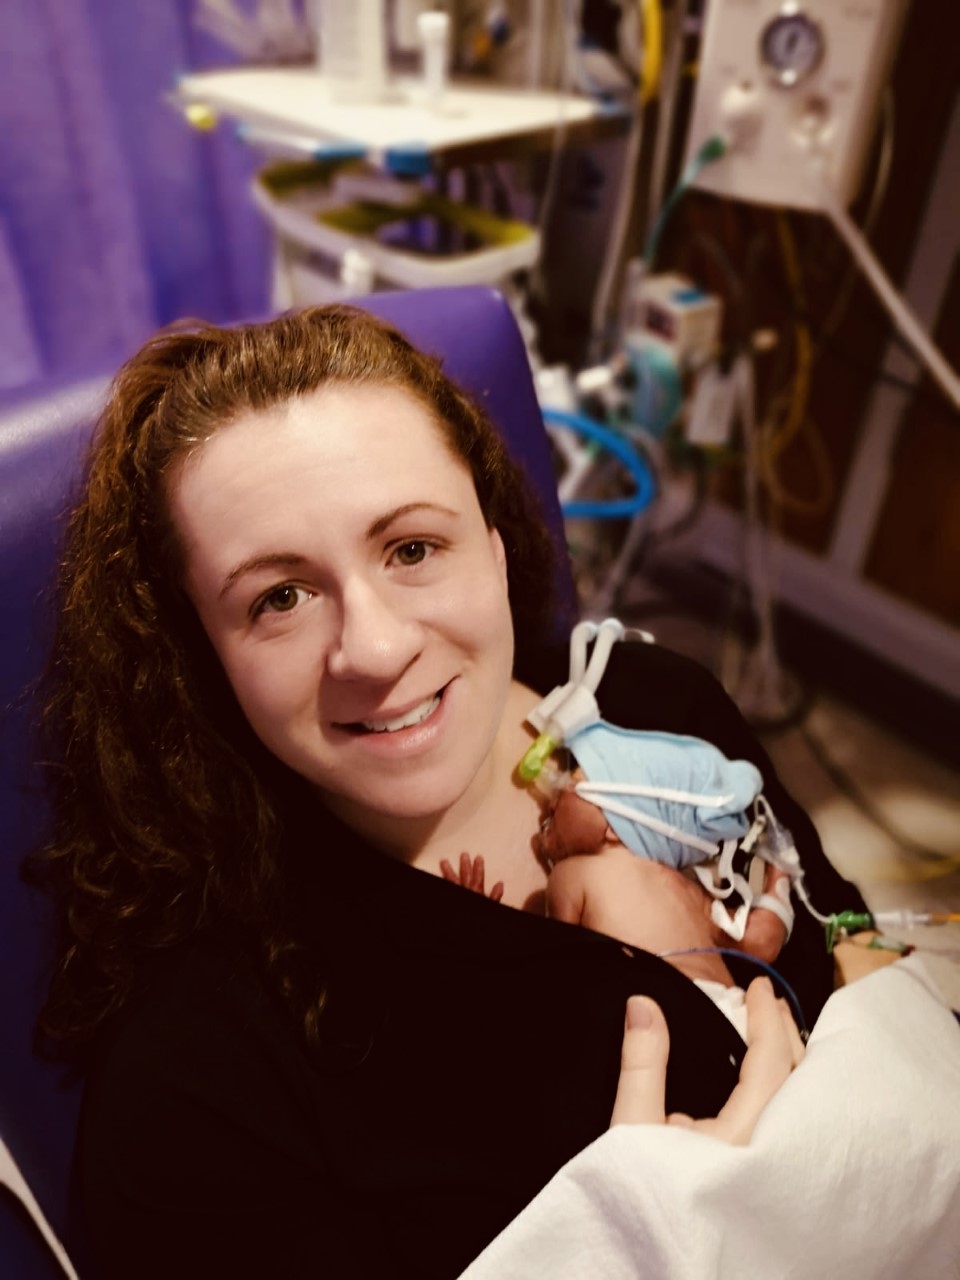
(338, 559)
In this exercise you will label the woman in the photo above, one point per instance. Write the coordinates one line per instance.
(303, 623)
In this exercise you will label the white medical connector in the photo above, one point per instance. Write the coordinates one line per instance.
(357, 273)
(434, 29)
(571, 706)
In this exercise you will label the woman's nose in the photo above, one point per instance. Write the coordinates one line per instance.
(377, 637)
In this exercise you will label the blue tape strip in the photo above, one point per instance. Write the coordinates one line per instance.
(411, 159)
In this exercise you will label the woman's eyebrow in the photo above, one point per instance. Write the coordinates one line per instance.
(276, 559)
(383, 523)
(293, 559)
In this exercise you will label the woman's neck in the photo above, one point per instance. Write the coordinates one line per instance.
(498, 818)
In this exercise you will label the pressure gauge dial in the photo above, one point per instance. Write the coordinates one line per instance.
(791, 46)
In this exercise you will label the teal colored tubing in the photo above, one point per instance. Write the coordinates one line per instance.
(616, 508)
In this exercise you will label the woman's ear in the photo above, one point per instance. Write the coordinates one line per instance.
(499, 552)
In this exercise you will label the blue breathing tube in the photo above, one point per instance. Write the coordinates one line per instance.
(616, 508)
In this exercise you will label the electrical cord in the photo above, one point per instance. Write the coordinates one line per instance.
(759, 685)
(829, 346)
(878, 195)
(732, 954)
(787, 416)
(617, 238)
(652, 19)
(896, 305)
(557, 147)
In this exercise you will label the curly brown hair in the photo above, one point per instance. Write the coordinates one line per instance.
(167, 809)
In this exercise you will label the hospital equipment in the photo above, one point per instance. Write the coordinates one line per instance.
(787, 81)
(792, 97)
(342, 230)
(352, 49)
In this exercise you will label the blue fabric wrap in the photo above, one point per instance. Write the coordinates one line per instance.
(607, 753)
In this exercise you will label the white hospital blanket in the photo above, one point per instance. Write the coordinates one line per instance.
(854, 1168)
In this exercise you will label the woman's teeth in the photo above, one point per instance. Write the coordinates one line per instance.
(418, 713)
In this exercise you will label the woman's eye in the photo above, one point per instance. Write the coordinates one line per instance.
(280, 600)
(413, 552)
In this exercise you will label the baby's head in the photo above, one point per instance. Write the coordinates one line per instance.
(572, 826)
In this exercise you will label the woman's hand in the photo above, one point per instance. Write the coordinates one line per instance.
(773, 1050)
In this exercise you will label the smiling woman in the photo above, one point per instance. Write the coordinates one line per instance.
(360, 612)
(305, 602)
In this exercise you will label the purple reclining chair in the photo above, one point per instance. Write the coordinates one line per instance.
(42, 440)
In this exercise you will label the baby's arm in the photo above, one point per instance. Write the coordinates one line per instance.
(642, 903)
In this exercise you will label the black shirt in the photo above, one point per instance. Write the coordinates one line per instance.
(470, 1050)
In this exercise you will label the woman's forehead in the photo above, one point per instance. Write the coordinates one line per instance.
(341, 452)
(344, 419)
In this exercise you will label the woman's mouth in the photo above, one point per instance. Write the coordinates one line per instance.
(416, 715)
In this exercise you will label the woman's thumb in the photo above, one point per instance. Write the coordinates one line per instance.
(641, 1091)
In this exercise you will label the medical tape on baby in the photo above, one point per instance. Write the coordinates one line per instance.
(720, 879)
(779, 903)
(733, 925)
(609, 805)
(654, 793)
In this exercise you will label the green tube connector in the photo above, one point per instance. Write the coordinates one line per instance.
(536, 756)
(846, 922)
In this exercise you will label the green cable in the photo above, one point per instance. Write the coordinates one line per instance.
(712, 150)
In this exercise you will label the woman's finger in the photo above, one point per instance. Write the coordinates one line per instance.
(773, 1050)
(643, 1065)
(797, 1047)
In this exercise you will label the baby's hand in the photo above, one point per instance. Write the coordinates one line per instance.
(471, 876)
(765, 933)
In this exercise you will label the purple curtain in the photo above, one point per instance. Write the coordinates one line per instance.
(115, 216)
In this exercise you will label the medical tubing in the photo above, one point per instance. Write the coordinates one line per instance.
(713, 149)
(896, 305)
(616, 239)
(670, 76)
(772, 973)
(580, 637)
(608, 633)
(782, 843)
(536, 756)
(617, 509)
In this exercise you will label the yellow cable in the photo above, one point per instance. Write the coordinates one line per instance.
(652, 50)
(800, 391)
(795, 420)
(823, 466)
